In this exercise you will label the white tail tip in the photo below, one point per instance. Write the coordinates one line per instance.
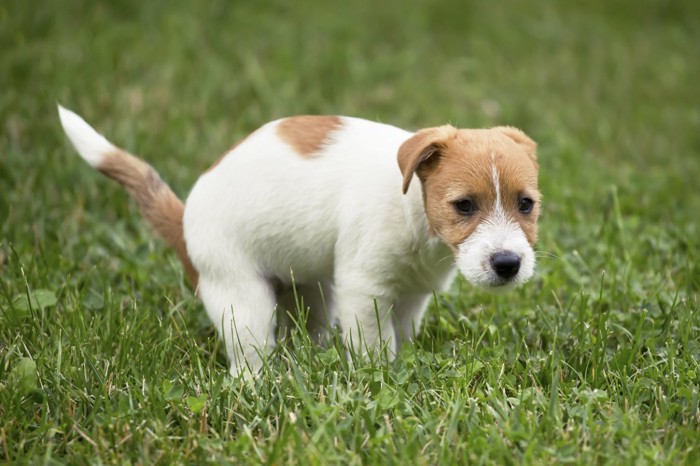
(91, 145)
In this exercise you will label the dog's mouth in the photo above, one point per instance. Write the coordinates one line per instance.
(490, 281)
(504, 284)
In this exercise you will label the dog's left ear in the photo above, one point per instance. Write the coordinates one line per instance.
(422, 146)
(521, 138)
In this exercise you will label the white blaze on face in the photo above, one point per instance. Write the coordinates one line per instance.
(497, 233)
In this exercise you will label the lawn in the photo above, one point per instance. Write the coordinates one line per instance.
(106, 356)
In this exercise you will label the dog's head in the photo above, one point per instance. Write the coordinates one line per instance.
(481, 198)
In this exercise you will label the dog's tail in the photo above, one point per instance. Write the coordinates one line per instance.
(158, 203)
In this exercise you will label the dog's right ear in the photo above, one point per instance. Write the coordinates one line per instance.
(424, 145)
(520, 138)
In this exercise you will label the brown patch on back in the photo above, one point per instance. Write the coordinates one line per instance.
(157, 202)
(462, 168)
(307, 134)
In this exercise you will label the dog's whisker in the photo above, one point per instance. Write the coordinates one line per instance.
(546, 255)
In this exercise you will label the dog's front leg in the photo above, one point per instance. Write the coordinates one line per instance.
(364, 318)
(408, 316)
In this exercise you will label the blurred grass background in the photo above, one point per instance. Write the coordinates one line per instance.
(609, 89)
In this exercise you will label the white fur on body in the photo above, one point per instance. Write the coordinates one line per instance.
(339, 220)
(365, 255)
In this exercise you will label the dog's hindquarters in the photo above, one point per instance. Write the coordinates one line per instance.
(157, 202)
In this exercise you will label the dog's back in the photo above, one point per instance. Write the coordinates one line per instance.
(283, 208)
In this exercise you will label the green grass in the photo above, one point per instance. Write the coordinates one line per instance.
(112, 360)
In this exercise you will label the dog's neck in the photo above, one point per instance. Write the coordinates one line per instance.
(430, 259)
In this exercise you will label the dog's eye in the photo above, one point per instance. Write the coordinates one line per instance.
(525, 205)
(465, 206)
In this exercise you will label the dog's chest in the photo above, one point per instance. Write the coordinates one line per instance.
(428, 267)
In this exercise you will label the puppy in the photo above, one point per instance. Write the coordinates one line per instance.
(367, 220)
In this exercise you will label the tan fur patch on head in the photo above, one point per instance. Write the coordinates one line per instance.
(518, 179)
(307, 134)
(521, 138)
(463, 169)
(458, 174)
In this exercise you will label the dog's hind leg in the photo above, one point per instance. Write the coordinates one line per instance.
(243, 310)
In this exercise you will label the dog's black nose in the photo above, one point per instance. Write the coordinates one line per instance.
(506, 264)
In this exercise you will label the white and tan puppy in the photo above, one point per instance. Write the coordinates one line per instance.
(368, 218)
